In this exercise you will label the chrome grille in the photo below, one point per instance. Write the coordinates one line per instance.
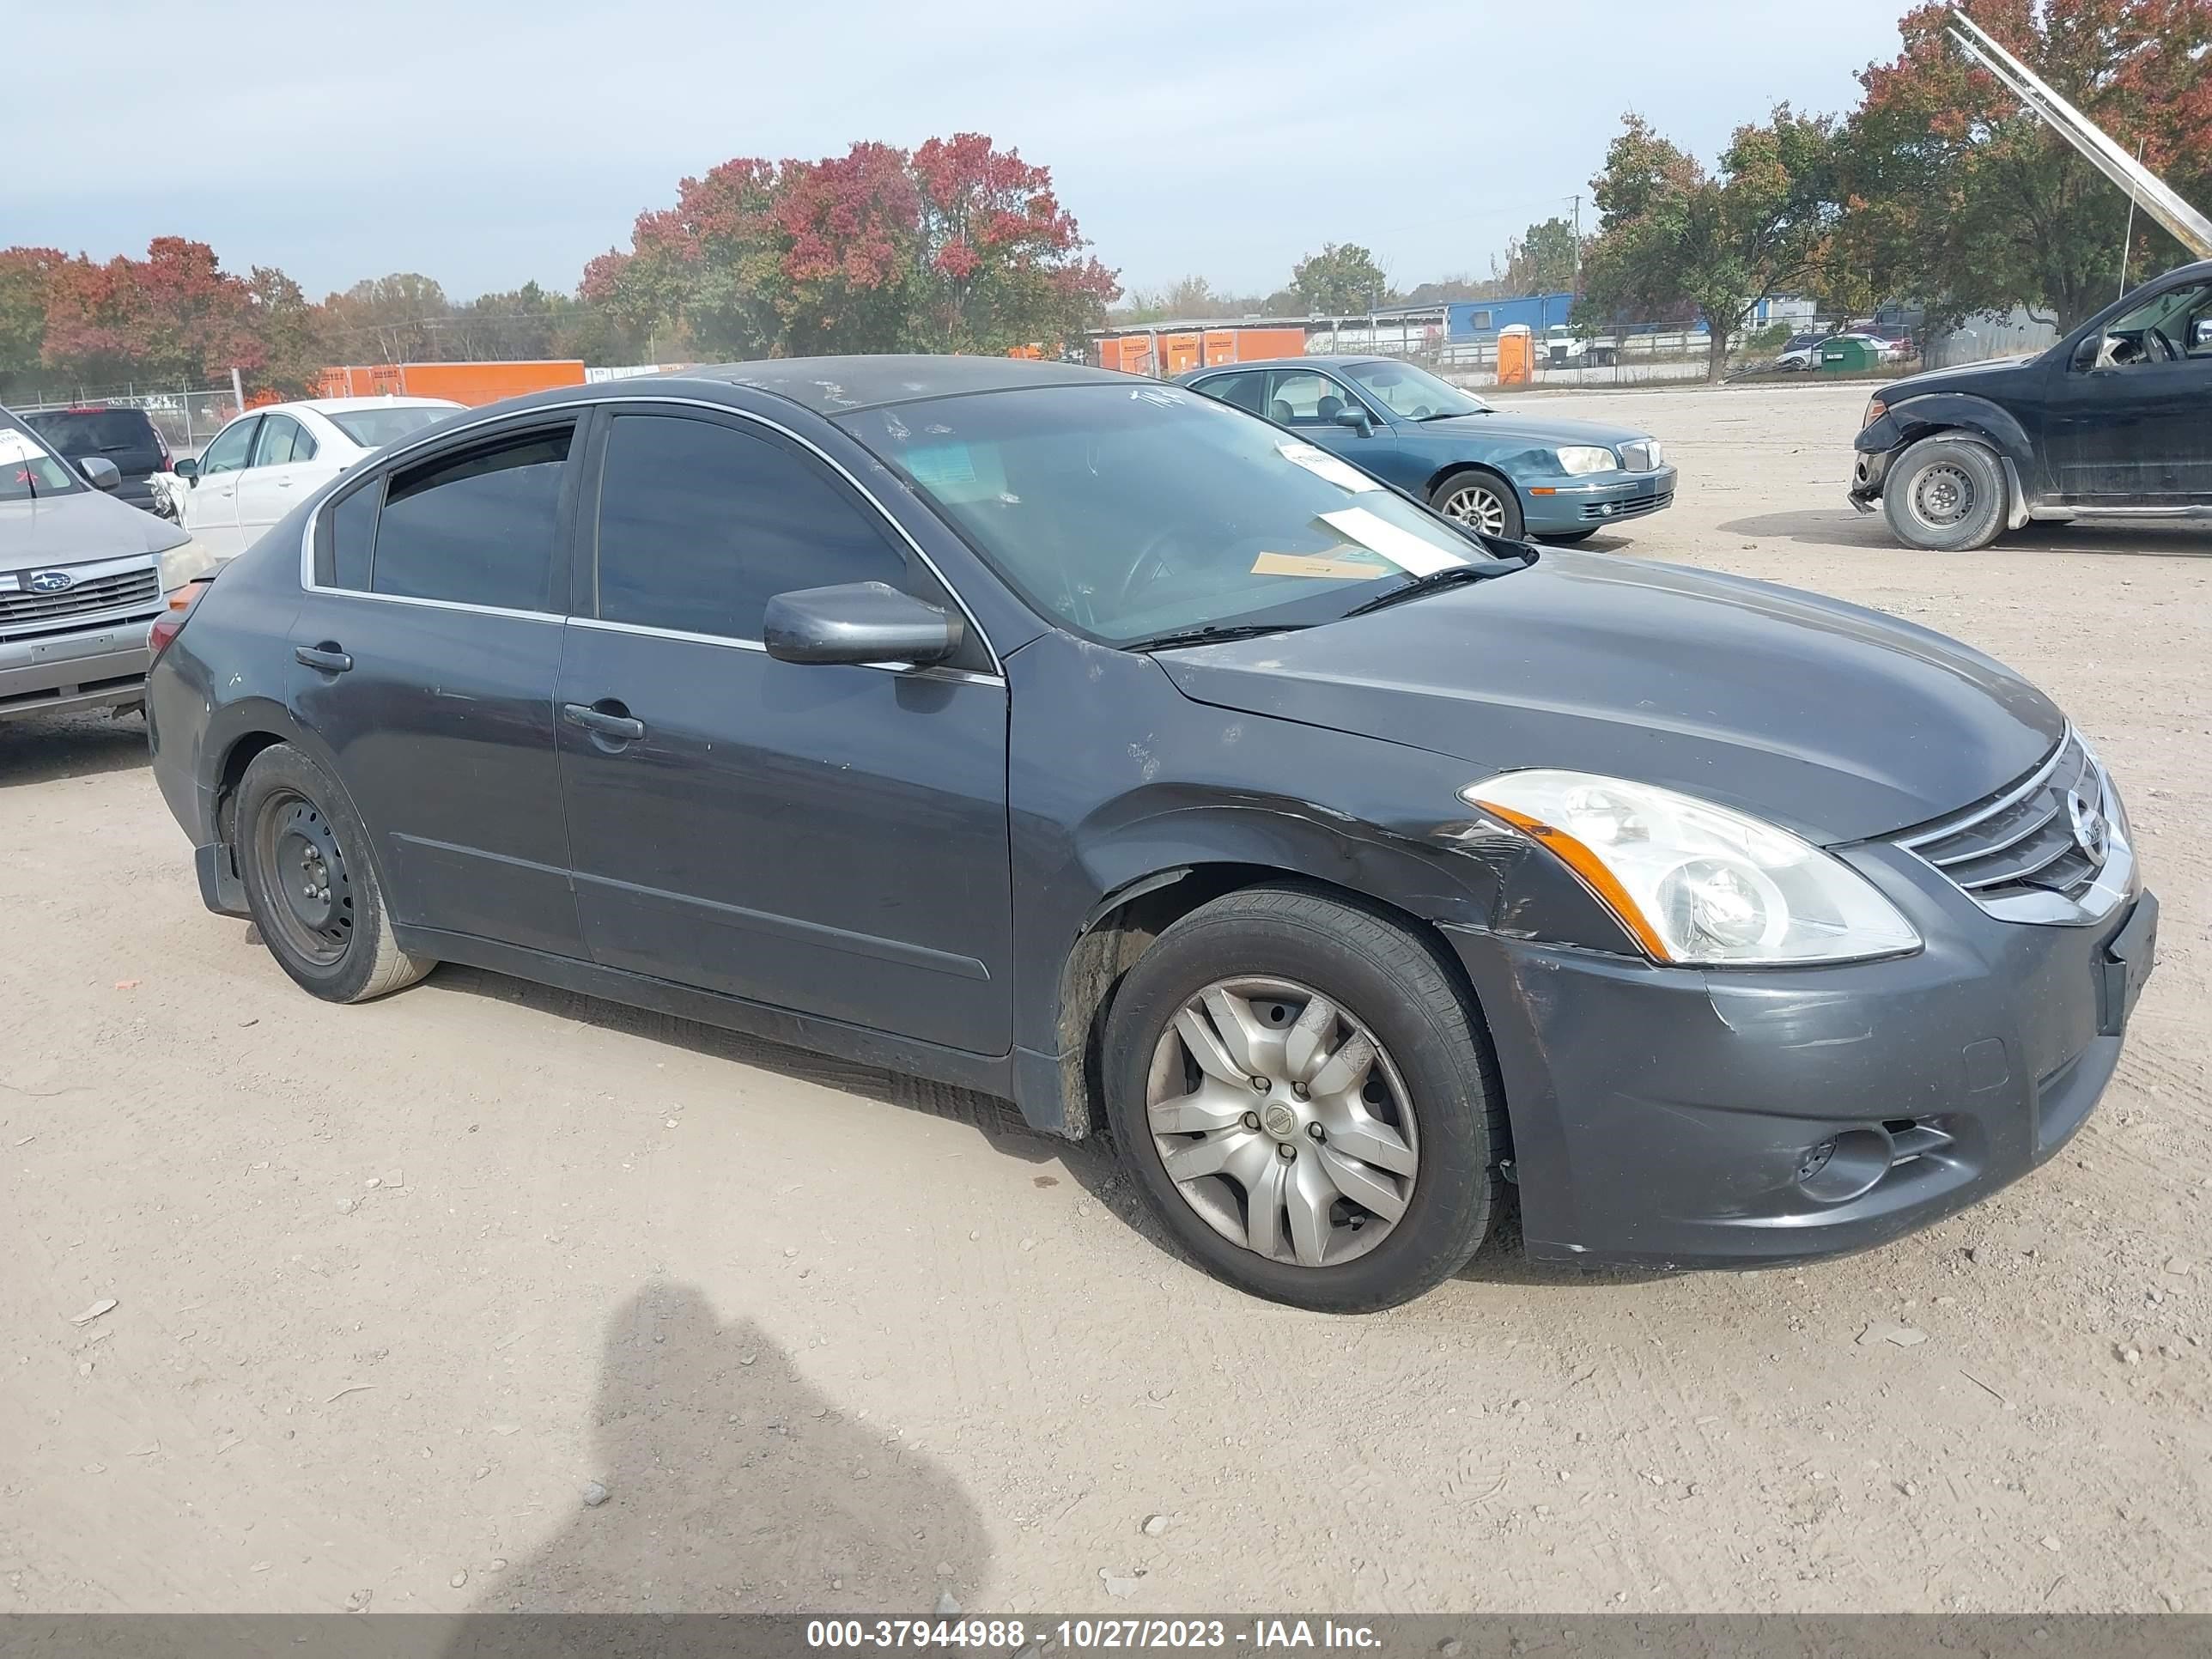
(1642, 456)
(94, 593)
(2020, 845)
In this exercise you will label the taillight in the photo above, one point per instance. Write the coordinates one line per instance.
(171, 623)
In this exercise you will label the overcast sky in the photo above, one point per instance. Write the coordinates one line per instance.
(486, 142)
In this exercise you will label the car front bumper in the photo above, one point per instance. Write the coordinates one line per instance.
(1567, 507)
(107, 669)
(1667, 1117)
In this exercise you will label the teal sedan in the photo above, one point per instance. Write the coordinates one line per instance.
(1509, 474)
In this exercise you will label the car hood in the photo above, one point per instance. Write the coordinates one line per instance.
(1517, 427)
(79, 527)
(1835, 722)
(1993, 374)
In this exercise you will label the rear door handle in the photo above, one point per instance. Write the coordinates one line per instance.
(606, 718)
(327, 657)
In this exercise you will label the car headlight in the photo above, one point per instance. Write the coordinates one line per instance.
(183, 562)
(1875, 409)
(1575, 459)
(1695, 883)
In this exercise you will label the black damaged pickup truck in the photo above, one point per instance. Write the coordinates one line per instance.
(2115, 420)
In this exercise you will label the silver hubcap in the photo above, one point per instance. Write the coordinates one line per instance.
(1477, 506)
(1282, 1122)
(1941, 496)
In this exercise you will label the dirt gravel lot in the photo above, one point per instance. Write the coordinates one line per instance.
(392, 1284)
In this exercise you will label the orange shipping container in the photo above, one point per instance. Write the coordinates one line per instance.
(474, 384)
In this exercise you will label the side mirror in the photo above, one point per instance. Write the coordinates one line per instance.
(100, 473)
(1357, 419)
(2200, 334)
(858, 623)
(188, 470)
(2085, 354)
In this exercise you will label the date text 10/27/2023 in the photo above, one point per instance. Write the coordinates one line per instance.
(1092, 1635)
(1089, 1635)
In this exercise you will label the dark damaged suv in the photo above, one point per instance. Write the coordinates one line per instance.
(1080, 739)
(2115, 419)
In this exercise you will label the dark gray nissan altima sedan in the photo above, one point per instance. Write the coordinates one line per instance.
(1083, 740)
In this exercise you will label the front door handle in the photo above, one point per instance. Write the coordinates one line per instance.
(604, 719)
(327, 657)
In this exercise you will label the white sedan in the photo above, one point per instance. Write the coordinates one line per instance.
(269, 459)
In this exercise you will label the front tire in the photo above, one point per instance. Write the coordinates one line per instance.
(310, 885)
(1363, 1172)
(1946, 495)
(1482, 501)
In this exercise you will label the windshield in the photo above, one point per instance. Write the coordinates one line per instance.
(1130, 513)
(373, 429)
(1412, 392)
(27, 468)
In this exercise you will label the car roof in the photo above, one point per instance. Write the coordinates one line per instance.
(1289, 362)
(340, 405)
(839, 385)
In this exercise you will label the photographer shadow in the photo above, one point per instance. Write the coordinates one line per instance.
(731, 1486)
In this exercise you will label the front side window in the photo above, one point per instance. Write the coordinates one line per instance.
(1299, 396)
(1127, 513)
(701, 524)
(231, 448)
(478, 528)
(28, 469)
(2164, 328)
(282, 441)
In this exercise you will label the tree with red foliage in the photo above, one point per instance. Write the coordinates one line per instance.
(1961, 199)
(707, 269)
(174, 316)
(852, 251)
(1001, 261)
(959, 246)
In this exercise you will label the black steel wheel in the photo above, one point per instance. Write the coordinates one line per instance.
(310, 883)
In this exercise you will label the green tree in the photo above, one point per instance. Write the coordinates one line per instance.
(1543, 260)
(1966, 203)
(403, 318)
(1671, 233)
(289, 326)
(1342, 278)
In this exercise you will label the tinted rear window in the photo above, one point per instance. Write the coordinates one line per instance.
(373, 429)
(478, 528)
(78, 433)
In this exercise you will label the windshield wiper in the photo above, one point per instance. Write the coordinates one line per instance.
(1213, 634)
(1451, 413)
(1434, 582)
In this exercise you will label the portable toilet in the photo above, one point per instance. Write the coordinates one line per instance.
(1842, 356)
(1516, 354)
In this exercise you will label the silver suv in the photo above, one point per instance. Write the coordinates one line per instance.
(83, 577)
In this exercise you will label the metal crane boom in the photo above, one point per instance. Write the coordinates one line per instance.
(2189, 227)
